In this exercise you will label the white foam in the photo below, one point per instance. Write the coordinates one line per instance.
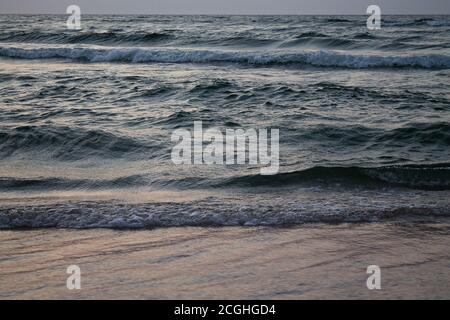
(85, 215)
(321, 58)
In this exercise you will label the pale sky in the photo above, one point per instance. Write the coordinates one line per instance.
(228, 6)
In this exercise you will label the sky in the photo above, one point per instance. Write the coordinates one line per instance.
(227, 6)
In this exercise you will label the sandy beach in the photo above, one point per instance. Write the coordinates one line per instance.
(306, 262)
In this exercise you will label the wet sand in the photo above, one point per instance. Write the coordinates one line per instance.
(313, 261)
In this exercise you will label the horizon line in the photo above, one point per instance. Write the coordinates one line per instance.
(227, 14)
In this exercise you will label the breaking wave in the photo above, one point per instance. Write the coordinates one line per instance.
(321, 58)
(89, 215)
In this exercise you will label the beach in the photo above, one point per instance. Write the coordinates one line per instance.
(307, 262)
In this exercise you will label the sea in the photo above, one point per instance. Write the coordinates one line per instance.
(86, 119)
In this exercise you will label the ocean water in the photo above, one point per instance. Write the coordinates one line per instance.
(86, 119)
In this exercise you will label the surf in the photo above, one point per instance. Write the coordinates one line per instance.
(316, 58)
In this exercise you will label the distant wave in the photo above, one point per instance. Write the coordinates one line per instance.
(66, 143)
(337, 20)
(424, 21)
(93, 37)
(437, 133)
(321, 41)
(59, 184)
(309, 39)
(438, 23)
(319, 58)
(427, 177)
(420, 177)
(72, 143)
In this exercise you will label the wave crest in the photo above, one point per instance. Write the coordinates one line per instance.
(426, 177)
(84, 37)
(321, 58)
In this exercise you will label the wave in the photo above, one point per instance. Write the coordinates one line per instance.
(39, 184)
(338, 20)
(321, 58)
(88, 215)
(109, 37)
(321, 42)
(439, 23)
(425, 177)
(211, 86)
(389, 96)
(65, 143)
(424, 135)
(433, 22)
(425, 21)
(231, 41)
(310, 39)
(418, 177)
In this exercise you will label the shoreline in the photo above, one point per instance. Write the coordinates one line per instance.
(314, 261)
